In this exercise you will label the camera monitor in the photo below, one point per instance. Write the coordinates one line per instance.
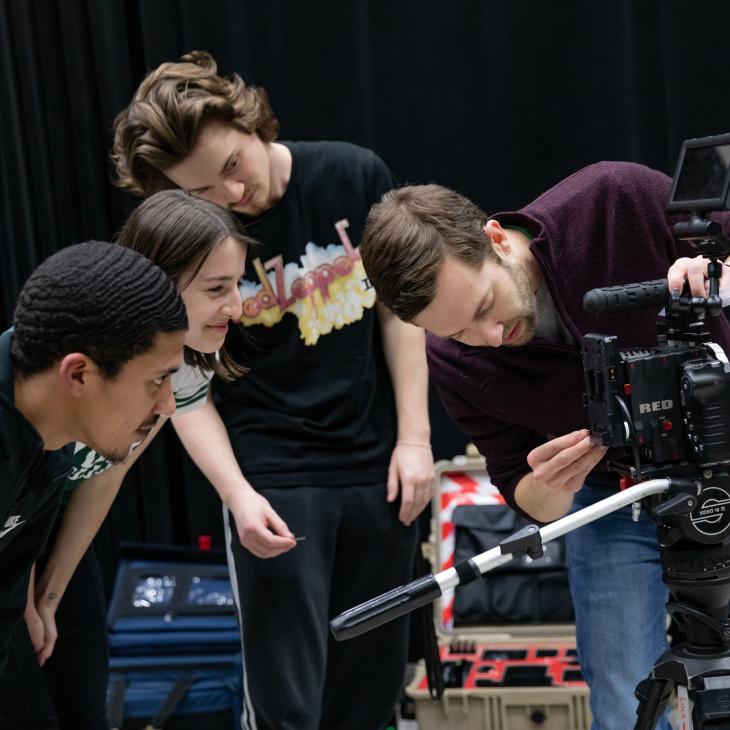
(702, 180)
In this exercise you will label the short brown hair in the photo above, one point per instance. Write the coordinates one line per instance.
(408, 235)
(161, 125)
(178, 232)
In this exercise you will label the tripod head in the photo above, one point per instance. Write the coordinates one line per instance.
(693, 529)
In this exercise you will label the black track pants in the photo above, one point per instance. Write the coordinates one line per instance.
(297, 677)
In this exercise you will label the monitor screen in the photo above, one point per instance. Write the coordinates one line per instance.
(703, 174)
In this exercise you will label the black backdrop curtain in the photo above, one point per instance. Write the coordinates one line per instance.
(498, 99)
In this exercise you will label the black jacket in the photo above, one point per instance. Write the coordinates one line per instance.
(31, 481)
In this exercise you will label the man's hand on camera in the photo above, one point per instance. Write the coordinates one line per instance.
(559, 468)
(563, 463)
(694, 270)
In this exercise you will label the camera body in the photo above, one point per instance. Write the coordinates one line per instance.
(670, 402)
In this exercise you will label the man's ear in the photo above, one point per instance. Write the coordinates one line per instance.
(495, 233)
(77, 372)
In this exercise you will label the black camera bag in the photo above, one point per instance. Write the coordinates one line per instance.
(523, 591)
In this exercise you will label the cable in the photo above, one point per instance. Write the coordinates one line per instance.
(632, 433)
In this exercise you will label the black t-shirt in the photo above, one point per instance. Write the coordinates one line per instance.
(317, 407)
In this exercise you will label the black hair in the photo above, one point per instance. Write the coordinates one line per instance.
(98, 298)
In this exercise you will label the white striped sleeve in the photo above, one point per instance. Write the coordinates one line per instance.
(190, 387)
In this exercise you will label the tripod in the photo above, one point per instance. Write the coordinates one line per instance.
(693, 525)
(698, 578)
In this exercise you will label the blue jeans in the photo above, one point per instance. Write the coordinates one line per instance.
(619, 597)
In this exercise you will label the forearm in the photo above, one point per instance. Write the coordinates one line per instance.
(205, 438)
(87, 507)
(541, 502)
(405, 354)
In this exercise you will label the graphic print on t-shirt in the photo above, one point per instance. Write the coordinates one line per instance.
(327, 290)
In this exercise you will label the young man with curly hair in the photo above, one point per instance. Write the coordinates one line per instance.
(75, 355)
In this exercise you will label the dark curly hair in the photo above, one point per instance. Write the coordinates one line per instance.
(97, 298)
(178, 232)
(161, 125)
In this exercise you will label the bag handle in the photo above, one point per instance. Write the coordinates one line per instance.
(115, 704)
(179, 689)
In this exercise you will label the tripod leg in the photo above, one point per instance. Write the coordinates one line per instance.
(653, 695)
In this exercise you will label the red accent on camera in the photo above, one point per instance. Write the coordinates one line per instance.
(625, 483)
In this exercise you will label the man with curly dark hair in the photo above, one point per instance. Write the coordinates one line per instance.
(331, 425)
(79, 364)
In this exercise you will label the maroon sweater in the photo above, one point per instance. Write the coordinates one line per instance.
(604, 225)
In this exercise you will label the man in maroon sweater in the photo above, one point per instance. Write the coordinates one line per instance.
(501, 298)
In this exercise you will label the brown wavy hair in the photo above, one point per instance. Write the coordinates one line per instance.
(162, 124)
(407, 236)
(178, 232)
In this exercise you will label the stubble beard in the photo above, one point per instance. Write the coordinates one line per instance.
(527, 299)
